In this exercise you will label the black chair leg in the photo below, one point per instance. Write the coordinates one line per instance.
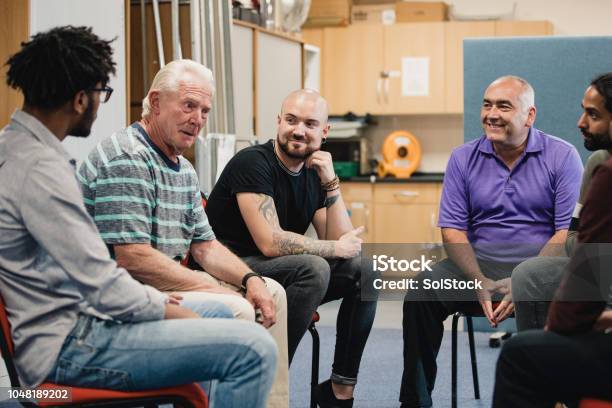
(454, 361)
(470, 328)
(314, 376)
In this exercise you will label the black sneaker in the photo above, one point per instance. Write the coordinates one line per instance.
(325, 398)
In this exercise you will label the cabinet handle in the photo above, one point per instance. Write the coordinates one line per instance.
(378, 89)
(406, 194)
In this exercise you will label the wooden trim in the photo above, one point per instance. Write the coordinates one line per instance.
(14, 28)
(256, 28)
(246, 24)
(128, 64)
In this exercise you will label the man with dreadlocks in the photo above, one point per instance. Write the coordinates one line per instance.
(77, 318)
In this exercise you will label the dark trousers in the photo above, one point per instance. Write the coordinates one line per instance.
(309, 281)
(538, 368)
(424, 314)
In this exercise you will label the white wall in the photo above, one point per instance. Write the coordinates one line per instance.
(107, 18)
(569, 17)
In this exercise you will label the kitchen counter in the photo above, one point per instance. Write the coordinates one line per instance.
(415, 178)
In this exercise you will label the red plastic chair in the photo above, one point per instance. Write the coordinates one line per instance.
(593, 403)
(186, 396)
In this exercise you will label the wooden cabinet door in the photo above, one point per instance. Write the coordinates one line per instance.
(522, 28)
(400, 223)
(358, 200)
(414, 40)
(406, 213)
(352, 61)
(455, 33)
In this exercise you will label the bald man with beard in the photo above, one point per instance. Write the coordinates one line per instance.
(260, 208)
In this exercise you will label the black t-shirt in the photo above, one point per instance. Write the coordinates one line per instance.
(256, 169)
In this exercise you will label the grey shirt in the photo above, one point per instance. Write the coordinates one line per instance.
(594, 160)
(53, 263)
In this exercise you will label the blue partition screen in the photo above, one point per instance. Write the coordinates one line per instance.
(558, 68)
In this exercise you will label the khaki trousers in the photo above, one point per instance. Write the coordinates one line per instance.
(279, 395)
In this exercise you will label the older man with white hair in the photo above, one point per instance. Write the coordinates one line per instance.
(145, 200)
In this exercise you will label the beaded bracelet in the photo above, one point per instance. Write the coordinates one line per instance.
(332, 185)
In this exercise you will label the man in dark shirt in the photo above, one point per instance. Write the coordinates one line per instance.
(535, 280)
(262, 205)
(572, 358)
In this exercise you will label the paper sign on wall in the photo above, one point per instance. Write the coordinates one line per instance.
(415, 76)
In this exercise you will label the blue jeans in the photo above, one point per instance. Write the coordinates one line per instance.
(240, 355)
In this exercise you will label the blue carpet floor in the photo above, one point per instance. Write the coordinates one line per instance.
(381, 370)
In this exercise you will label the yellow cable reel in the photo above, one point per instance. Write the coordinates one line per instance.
(401, 155)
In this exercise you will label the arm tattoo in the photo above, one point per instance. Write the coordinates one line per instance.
(268, 210)
(329, 201)
(289, 243)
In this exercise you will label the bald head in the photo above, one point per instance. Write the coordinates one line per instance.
(307, 98)
(525, 90)
(508, 112)
(302, 124)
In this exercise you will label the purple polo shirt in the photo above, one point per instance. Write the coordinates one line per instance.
(510, 215)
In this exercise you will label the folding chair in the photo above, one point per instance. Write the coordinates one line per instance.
(475, 311)
(316, 346)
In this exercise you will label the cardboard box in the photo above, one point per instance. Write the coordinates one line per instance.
(417, 11)
(329, 13)
(373, 14)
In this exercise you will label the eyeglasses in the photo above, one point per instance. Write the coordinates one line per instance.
(105, 93)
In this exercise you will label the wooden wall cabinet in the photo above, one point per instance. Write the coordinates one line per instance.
(352, 63)
(523, 28)
(362, 63)
(362, 67)
(422, 40)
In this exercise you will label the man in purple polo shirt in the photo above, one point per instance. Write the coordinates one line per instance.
(507, 196)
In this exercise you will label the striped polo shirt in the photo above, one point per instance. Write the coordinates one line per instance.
(136, 194)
